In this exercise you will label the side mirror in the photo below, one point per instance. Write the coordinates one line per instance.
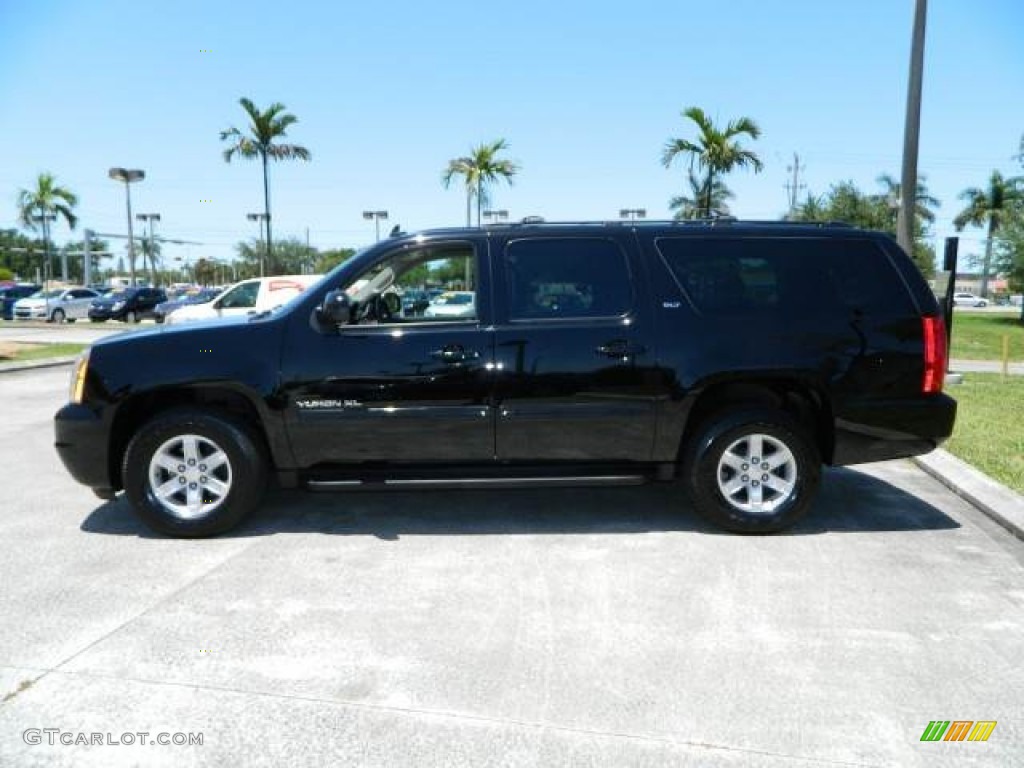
(336, 309)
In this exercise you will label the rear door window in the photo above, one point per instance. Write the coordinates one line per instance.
(566, 277)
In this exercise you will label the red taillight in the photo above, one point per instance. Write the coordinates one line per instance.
(934, 355)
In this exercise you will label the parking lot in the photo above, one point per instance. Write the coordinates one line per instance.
(541, 627)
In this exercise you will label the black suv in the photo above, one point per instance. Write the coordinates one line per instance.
(735, 358)
(128, 304)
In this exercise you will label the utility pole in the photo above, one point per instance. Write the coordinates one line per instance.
(911, 134)
(793, 187)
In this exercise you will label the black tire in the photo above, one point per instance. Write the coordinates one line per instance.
(244, 478)
(58, 316)
(707, 473)
(131, 317)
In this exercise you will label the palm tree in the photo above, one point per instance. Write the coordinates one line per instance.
(811, 209)
(715, 151)
(150, 249)
(923, 202)
(479, 170)
(689, 207)
(264, 128)
(47, 202)
(993, 206)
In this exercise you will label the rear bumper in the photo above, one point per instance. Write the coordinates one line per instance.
(892, 429)
(82, 442)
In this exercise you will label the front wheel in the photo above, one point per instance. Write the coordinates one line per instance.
(131, 317)
(753, 471)
(194, 473)
(58, 316)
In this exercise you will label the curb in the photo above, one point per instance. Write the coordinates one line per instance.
(46, 362)
(994, 499)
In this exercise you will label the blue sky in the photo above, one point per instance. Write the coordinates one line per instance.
(585, 93)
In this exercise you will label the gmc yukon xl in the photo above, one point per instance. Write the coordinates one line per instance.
(733, 359)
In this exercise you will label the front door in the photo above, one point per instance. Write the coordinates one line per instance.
(574, 358)
(398, 385)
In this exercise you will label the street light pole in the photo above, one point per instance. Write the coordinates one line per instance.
(501, 215)
(911, 133)
(128, 175)
(260, 217)
(632, 213)
(376, 216)
(150, 217)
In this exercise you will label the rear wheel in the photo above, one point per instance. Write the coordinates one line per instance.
(752, 471)
(194, 473)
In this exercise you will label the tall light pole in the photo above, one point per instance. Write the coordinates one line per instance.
(911, 133)
(150, 217)
(260, 217)
(376, 216)
(128, 175)
(632, 213)
(45, 219)
(500, 215)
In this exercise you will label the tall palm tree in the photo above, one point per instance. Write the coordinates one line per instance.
(716, 151)
(480, 169)
(264, 128)
(47, 201)
(992, 206)
(923, 201)
(690, 206)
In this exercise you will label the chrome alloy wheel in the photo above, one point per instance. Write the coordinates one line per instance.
(189, 476)
(757, 474)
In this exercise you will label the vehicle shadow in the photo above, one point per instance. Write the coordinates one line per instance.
(849, 502)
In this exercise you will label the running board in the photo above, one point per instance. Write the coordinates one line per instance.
(477, 482)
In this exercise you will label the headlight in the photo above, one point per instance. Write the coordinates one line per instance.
(117, 305)
(78, 378)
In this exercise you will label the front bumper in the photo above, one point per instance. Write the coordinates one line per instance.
(83, 444)
(35, 313)
(105, 313)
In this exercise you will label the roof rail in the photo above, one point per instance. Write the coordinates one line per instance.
(714, 221)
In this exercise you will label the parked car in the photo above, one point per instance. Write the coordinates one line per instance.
(128, 304)
(183, 300)
(734, 359)
(56, 305)
(964, 299)
(9, 294)
(452, 304)
(249, 297)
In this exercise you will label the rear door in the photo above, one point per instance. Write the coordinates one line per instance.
(574, 357)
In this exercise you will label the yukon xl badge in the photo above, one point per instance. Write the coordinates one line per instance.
(310, 404)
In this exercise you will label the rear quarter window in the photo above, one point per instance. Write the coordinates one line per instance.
(786, 277)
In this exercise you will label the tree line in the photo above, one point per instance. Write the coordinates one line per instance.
(710, 154)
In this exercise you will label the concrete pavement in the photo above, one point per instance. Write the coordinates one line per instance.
(541, 627)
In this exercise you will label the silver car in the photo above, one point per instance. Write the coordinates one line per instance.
(56, 306)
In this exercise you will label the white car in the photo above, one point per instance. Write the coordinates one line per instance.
(964, 299)
(56, 306)
(248, 297)
(452, 304)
